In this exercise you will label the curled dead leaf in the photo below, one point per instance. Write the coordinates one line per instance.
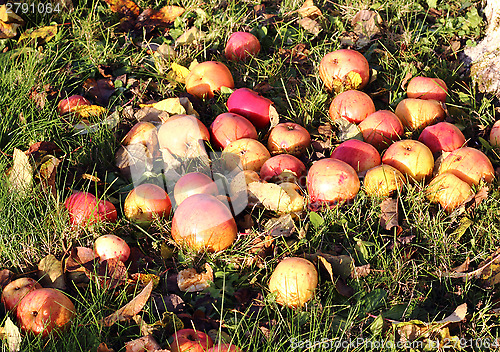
(50, 271)
(124, 7)
(308, 9)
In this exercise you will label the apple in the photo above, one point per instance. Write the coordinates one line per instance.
(290, 138)
(469, 164)
(202, 222)
(419, 113)
(194, 183)
(225, 347)
(495, 134)
(71, 103)
(382, 181)
(16, 290)
(144, 133)
(442, 137)
(146, 202)
(381, 128)
(294, 280)
(427, 88)
(411, 157)
(448, 190)
(241, 46)
(250, 104)
(229, 127)
(45, 310)
(283, 167)
(352, 105)
(183, 136)
(330, 182)
(84, 208)
(344, 69)
(110, 247)
(189, 340)
(208, 77)
(246, 154)
(360, 155)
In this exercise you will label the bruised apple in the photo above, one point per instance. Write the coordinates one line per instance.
(71, 103)
(360, 155)
(344, 69)
(44, 310)
(241, 46)
(194, 183)
(16, 290)
(495, 134)
(245, 153)
(469, 164)
(250, 104)
(330, 182)
(448, 190)
(442, 137)
(427, 88)
(111, 247)
(283, 167)
(229, 127)
(419, 113)
(381, 128)
(146, 202)
(202, 222)
(189, 340)
(411, 157)
(294, 281)
(208, 77)
(85, 209)
(382, 181)
(290, 138)
(352, 105)
(225, 347)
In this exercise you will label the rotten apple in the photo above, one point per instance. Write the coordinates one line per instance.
(344, 69)
(290, 138)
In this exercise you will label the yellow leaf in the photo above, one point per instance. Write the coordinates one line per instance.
(170, 13)
(45, 34)
(271, 196)
(193, 64)
(180, 72)
(8, 16)
(8, 30)
(171, 105)
(21, 174)
(125, 7)
(191, 35)
(86, 111)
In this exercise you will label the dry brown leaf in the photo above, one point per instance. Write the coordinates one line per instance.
(488, 271)
(130, 309)
(112, 273)
(80, 259)
(462, 268)
(47, 174)
(144, 279)
(389, 216)
(405, 80)
(456, 317)
(310, 25)
(8, 16)
(361, 271)
(8, 30)
(101, 90)
(142, 344)
(50, 271)
(124, 7)
(308, 9)
(5, 277)
(282, 226)
(366, 23)
(189, 280)
(341, 287)
(104, 348)
(170, 13)
(341, 265)
(21, 173)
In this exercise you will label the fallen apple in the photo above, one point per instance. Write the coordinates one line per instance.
(194, 183)
(360, 155)
(427, 88)
(344, 69)
(411, 157)
(189, 340)
(85, 209)
(294, 281)
(71, 103)
(111, 247)
(16, 290)
(202, 222)
(241, 46)
(245, 154)
(495, 134)
(208, 77)
(381, 128)
(419, 113)
(382, 181)
(45, 310)
(290, 138)
(250, 104)
(229, 127)
(469, 164)
(448, 190)
(442, 137)
(144, 133)
(145, 203)
(352, 105)
(283, 167)
(225, 347)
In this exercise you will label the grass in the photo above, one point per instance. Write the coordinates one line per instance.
(406, 282)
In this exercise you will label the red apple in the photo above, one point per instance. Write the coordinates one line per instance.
(330, 182)
(344, 69)
(229, 127)
(419, 113)
(241, 46)
(146, 202)
(442, 137)
(194, 183)
(245, 153)
(360, 155)
(189, 340)
(352, 105)
(448, 190)
(411, 157)
(290, 138)
(225, 347)
(204, 222)
(84, 208)
(250, 104)
(469, 164)
(427, 88)
(495, 134)
(208, 77)
(283, 167)
(110, 247)
(45, 310)
(381, 128)
(71, 104)
(16, 290)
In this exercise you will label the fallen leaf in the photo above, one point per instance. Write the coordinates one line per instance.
(101, 90)
(124, 7)
(8, 16)
(282, 226)
(13, 335)
(478, 198)
(178, 73)
(21, 174)
(405, 80)
(170, 303)
(192, 35)
(47, 174)
(171, 105)
(341, 265)
(170, 13)
(341, 287)
(112, 273)
(347, 130)
(189, 280)
(104, 348)
(9, 22)
(130, 309)
(308, 9)
(271, 196)
(456, 317)
(5, 277)
(274, 117)
(366, 23)
(389, 213)
(488, 271)
(39, 149)
(50, 272)
(142, 344)
(134, 160)
(8, 30)
(310, 25)
(144, 279)
(462, 268)
(361, 271)
(44, 34)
